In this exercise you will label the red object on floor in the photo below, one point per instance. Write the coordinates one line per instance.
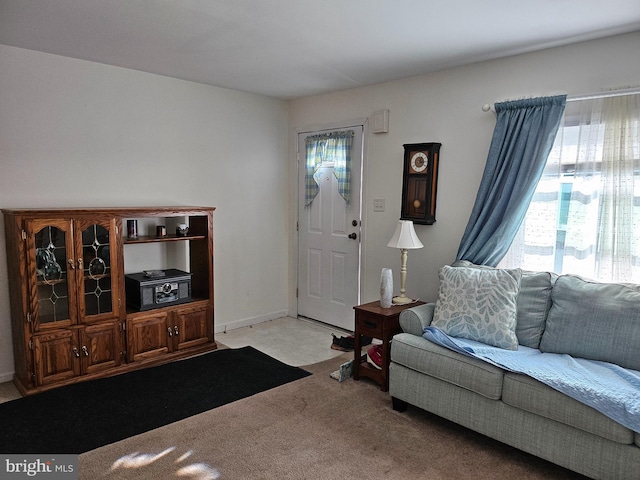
(374, 356)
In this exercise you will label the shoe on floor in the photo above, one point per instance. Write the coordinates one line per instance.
(344, 344)
(347, 344)
(374, 356)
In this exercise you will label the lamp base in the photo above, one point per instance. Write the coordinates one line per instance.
(401, 300)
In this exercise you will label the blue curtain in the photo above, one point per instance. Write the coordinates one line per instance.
(334, 147)
(522, 139)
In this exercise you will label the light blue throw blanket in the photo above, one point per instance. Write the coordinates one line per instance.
(610, 389)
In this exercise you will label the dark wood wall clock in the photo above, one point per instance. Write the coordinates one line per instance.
(419, 182)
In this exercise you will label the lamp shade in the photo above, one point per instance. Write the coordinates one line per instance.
(405, 236)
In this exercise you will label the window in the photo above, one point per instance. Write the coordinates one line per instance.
(585, 215)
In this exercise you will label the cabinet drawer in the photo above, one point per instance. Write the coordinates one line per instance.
(370, 326)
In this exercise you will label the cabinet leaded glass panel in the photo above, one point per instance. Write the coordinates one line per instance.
(96, 270)
(51, 275)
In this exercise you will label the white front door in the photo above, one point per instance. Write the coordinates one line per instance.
(329, 241)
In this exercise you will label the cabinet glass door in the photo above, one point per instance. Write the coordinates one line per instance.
(97, 289)
(50, 263)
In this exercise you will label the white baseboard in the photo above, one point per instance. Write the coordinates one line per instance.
(246, 322)
(6, 377)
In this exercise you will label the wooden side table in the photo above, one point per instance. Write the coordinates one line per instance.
(381, 323)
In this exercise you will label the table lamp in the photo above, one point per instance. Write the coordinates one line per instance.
(404, 238)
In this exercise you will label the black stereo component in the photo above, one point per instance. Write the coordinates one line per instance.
(157, 288)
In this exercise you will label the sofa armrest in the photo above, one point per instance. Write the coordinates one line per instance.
(414, 319)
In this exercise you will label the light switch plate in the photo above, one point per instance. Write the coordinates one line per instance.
(378, 204)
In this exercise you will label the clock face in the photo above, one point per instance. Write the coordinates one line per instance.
(419, 161)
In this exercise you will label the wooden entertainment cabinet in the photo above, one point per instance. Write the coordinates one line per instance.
(69, 314)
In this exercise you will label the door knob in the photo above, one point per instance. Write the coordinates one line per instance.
(353, 236)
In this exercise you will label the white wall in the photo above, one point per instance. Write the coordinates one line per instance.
(76, 133)
(446, 107)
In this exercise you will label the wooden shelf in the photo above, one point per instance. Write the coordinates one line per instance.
(366, 370)
(195, 301)
(166, 238)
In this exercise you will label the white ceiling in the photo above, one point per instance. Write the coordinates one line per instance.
(294, 48)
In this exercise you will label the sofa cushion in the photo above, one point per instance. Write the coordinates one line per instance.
(526, 393)
(428, 358)
(597, 321)
(533, 303)
(478, 304)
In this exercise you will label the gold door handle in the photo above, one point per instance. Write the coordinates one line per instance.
(71, 265)
(175, 329)
(76, 352)
(79, 264)
(85, 351)
(169, 331)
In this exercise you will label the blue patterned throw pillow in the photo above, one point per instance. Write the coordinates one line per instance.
(478, 304)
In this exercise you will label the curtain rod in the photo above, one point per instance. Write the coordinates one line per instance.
(589, 96)
(610, 93)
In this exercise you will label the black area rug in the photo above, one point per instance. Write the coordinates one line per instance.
(83, 416)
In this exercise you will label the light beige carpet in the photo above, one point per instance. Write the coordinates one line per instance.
(314, 428)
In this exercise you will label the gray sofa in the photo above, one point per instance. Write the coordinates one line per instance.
(557, 314)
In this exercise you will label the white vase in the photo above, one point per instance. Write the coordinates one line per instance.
(386, 288)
